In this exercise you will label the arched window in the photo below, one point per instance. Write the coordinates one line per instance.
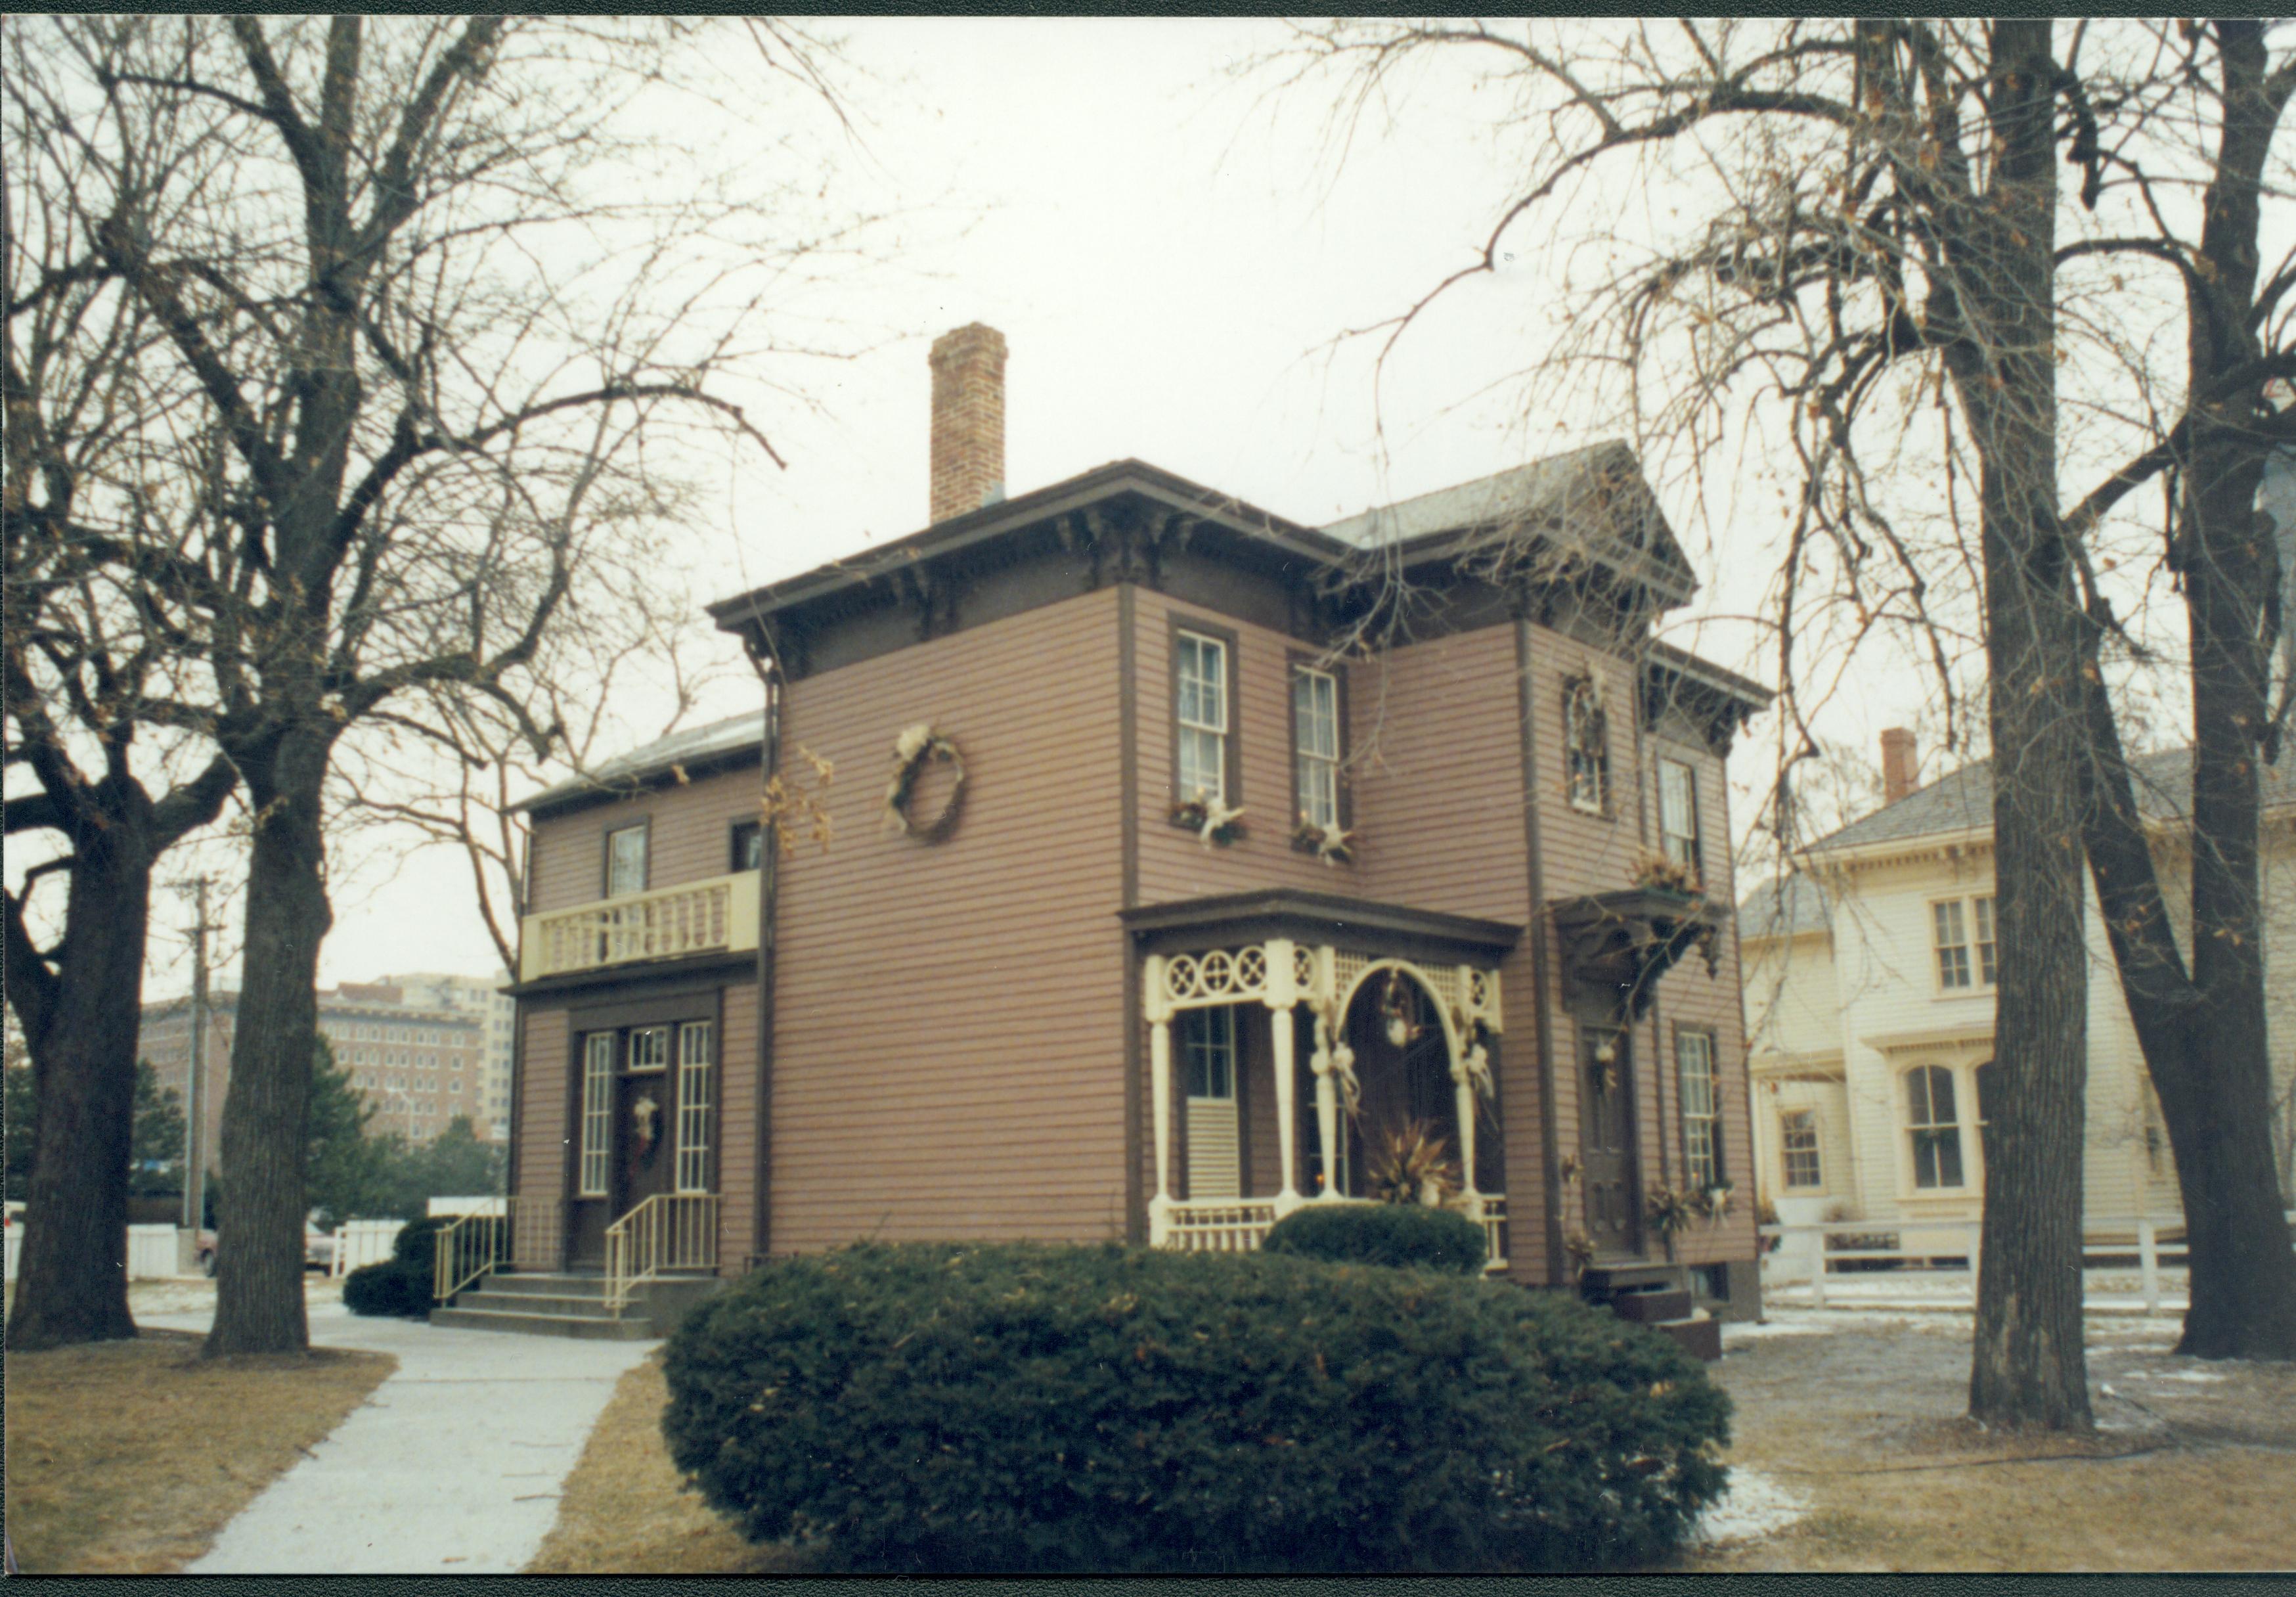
(1934, 1125)
(1586, 748)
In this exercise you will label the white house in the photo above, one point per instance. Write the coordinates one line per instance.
(1869, 980)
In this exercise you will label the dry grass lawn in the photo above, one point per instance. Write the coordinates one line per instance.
(2194, 1467)
(127, 1458)
(623, 1512)
(1862, 1423)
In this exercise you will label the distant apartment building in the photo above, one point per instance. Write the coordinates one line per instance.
(419, 1061)
(487, 999)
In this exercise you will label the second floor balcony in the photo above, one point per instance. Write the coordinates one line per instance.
(713, 916)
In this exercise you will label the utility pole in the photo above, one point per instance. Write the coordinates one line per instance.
(194, 1167)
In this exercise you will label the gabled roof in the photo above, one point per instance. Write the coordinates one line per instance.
(696, 745)
(1786, 907)
(1573, 500)
(1962, 801)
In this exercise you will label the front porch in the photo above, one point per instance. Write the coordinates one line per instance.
(1397, 1013)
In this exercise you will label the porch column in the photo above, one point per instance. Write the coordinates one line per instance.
(1462, 1092)
(1156, 1005)
(1282, 989)
(1327, 1107)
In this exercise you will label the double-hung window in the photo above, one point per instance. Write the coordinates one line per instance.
(1315, 745)
(1586, 748)
(1203, 713)
(1677, 811)
(1963, 962)
(1934, 1125)
(1207, 1057)
(1798, 1139)
(1701, 1127)
(625, 861)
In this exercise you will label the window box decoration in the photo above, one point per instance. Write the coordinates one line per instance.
(1662, 873)
(1331, 844)
(917, 747)
(1211, 820)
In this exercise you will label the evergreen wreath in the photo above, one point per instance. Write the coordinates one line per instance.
(916, 747)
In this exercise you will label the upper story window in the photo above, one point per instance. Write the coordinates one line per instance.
(1315, 745)
(1677, 811)
(749, 847)
(626, 859)
(1701, 1121)
(1586, 748)
(1798, 1139)
(1202, 711)
(1960, 962)
(1934, 1125)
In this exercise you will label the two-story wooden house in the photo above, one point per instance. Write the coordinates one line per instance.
(1207, 873)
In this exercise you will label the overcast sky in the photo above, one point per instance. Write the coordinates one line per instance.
(1169, 262)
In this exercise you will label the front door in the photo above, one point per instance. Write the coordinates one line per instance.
(1606, 1140)
(641, 1120)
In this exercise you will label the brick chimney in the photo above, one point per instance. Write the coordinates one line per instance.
(1897, 778)
(968, 420)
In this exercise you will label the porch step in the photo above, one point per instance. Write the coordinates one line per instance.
(1651, 1294)
(1700, 1334)
(593, 1327)
(1651, 1308)
(540, 1283)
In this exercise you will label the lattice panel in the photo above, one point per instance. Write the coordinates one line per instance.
(1218, 977)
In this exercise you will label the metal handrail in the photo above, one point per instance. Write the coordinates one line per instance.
(669, 1230)
(473, 1246)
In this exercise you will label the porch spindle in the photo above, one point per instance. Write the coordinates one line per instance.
(1282, 992)
(1327, 1108)
(1159, 1095)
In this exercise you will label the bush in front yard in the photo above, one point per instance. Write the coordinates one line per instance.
(393, 1287)
(937, 1407)
(1405, 1235)
(417, 1246)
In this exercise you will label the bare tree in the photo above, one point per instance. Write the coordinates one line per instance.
(95, 795)
(1873, 257)
(442, 332)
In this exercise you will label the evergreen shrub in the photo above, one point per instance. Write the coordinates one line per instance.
(1405, 1235)
(393, 1287)
(1026, 1407)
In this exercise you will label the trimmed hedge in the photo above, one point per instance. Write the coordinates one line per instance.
(1024, 1407)
(1404, 1235)
(391, 1287)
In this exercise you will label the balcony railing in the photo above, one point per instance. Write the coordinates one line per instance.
(1240, 1224)
(715, 915)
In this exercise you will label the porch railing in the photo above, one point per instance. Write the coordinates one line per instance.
(1240, 1225)
(472, 1245)
(716, 914)
(670, 1231)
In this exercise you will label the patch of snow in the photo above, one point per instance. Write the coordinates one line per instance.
(1752, 1507)
(2174, 1375)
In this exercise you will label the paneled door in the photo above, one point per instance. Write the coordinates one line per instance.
(1606, 1141)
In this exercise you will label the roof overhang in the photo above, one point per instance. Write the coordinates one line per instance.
(1893, 851)
(1934, 1037)
(1358, 925)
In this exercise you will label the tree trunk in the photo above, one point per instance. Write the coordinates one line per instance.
(2028, 1366)
(72, 1285)
(265, 1113)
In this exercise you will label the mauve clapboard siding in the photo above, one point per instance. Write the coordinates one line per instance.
(542, 1116)
(737, 1126)
(948, 1054)
(690, 838)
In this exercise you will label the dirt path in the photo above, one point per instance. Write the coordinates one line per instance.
(1857, 1420)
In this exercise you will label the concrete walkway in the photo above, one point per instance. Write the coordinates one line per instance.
(452, 1466)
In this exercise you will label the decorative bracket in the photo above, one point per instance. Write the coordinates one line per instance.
(1622, 943)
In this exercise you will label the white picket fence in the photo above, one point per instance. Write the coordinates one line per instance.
(152, 1251)
(1806, 1255)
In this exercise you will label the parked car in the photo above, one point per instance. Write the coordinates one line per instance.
(318, 1250)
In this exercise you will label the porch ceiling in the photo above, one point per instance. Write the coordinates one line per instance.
(1358, 925)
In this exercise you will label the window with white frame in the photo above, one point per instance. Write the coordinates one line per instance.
(625, 861)
(1677, 811)
(1202, 712)
(1934, 1125)
(1586, 748)
(1797, 1141)
(693, 1106)
(650, 1047)
(1208, 1046)
(1963, 962)
(597, 1111)
(1701, 1129)
(1315, 745)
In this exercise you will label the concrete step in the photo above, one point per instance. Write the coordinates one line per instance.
(546, 1284)
(532, 1303)
(596, 1327)
(1699, 1335)
(1651, 1307)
